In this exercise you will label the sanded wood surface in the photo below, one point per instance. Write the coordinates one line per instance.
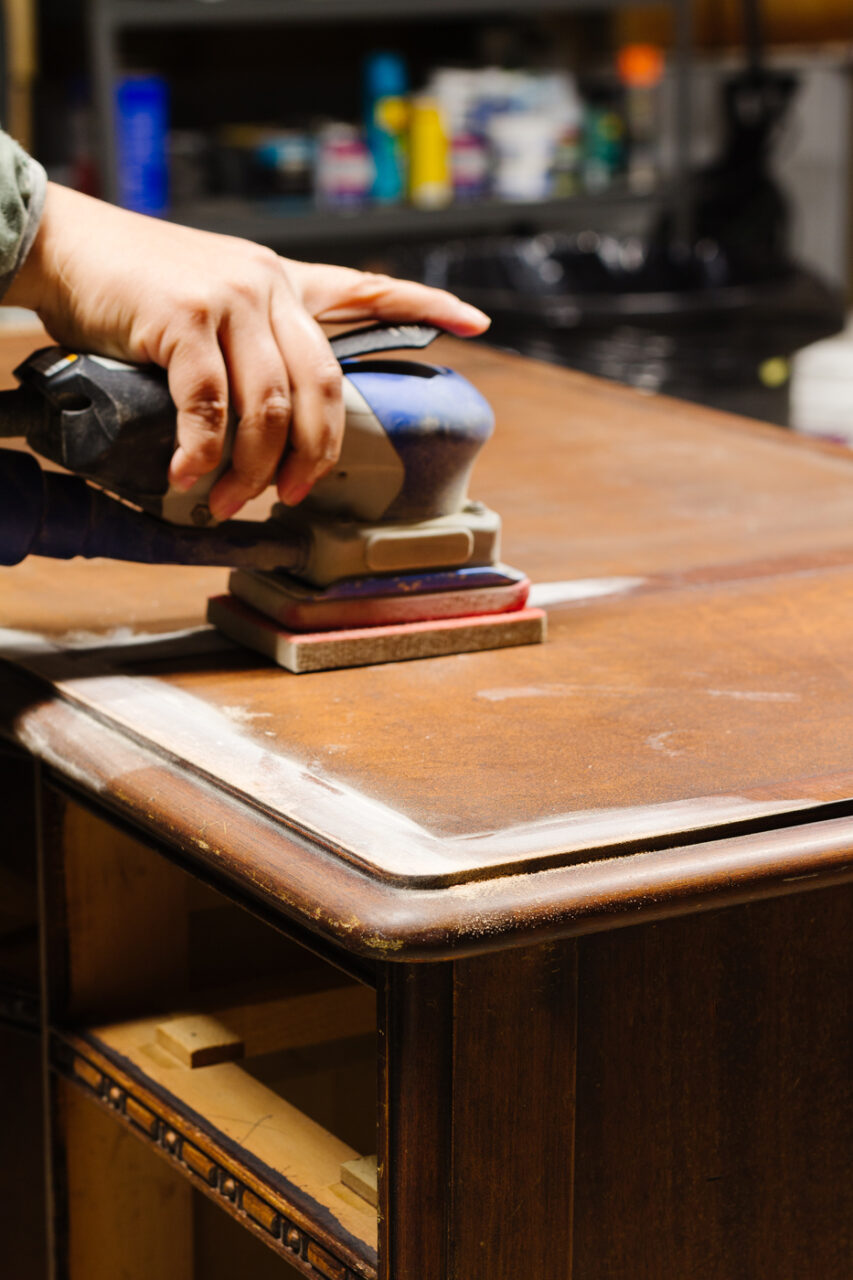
(694, 686)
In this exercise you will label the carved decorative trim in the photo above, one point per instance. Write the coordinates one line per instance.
(179, 1143)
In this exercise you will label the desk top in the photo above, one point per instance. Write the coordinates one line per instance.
(681, 740)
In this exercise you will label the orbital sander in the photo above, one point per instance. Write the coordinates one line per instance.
(387, 558)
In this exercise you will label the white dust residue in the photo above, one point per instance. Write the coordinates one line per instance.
(753, 695)
(543, 594)
(242, 715)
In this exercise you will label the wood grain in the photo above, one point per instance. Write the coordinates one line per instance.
(715, 1096)
(115, 892)
(514, 1115)
(127, 1215)
(415, 1121)
(280, 878)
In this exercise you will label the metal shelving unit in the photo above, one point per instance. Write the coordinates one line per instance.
(262, 221)
(279, 225)
(161, 13)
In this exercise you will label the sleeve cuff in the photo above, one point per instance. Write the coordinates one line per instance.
(32, 181)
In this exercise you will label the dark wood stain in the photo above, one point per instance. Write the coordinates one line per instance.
(514, 1115)
(416, 1115)
(715, 1096)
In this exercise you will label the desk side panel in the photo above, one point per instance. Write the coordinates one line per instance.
(715, 1095)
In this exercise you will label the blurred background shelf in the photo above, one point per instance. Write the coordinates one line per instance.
(114, 24)
(749, 161)
(280, 224)
(161, 13)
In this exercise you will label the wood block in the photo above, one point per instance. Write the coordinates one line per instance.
(327, 650)
(360, 1176)
(198, 1040)
(270, 1024)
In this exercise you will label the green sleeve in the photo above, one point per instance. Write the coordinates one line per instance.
(23, 183)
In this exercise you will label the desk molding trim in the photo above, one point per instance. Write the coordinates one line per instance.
(384, 921)
(207, 1165)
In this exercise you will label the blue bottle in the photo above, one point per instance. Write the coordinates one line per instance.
(142, 141)
(386, 123)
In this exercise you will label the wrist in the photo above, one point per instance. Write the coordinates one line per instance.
(28, 286)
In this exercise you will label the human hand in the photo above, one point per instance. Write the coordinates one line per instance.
(230, 321)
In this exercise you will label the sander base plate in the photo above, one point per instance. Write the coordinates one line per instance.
(381, 601)
(363, 646)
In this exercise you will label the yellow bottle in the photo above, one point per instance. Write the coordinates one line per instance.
(430, 185)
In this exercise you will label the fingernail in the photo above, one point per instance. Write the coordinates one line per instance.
(474, 314)
(183, 483)
(294, 494)
(225, 510)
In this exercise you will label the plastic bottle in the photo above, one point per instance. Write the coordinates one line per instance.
(142, 132)
(604, 138)
(523, 147)
(641, 68)
(429, 156)
(456, 90)
(343, 175)
(567, 107)
(386, 123)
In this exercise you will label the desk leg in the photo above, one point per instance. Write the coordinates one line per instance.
(477, 1127)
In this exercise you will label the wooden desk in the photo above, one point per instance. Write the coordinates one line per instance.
(559, 1095)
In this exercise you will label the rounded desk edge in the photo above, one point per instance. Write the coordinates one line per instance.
(291, 878)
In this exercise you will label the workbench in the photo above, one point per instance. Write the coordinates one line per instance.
(560, 934)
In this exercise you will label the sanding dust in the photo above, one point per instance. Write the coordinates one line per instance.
(242, 715)
(513, 691)
(165, 720)
(543, 594)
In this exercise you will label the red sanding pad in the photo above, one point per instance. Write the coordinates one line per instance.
(325, 650)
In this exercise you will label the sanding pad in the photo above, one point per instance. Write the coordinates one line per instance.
(378, 602)
(326, 650)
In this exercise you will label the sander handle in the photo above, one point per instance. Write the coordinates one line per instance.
(115, 423)
(370, 339)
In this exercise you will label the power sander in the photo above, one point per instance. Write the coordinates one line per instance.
(387, 558)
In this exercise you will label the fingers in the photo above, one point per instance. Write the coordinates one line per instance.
(198, 383)
(340, 293)
(285, 388)
(260, 339)
(261, 397)
(317, 424)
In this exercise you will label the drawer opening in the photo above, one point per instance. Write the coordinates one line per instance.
(242, 1056)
